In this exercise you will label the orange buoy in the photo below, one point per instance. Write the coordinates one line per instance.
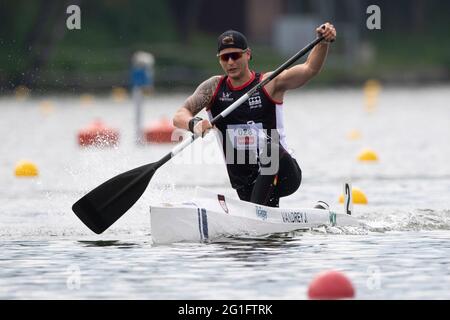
(160, 131)
(331, 285)
(99, 135)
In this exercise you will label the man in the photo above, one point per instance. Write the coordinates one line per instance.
(261, 114)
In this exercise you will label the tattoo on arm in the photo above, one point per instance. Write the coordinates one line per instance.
(202, 96)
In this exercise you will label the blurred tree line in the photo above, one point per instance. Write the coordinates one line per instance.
(37, 50)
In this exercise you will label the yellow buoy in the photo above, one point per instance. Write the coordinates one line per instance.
(358, 197)
(372, 90)
(354, 135)
(26, 169)
(371, 104)
(21, 92)
(86, 99)
(46, 107)
(119, 94)
(372, 85)
(368, 155)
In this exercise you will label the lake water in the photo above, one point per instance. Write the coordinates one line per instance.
(401, 251)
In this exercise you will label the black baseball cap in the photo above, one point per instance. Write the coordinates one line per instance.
(231, 39)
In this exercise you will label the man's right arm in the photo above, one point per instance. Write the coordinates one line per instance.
(199, 100)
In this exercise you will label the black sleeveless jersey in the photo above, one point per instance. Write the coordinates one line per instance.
(241, 130)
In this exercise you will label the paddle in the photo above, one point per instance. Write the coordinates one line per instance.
(104, 205)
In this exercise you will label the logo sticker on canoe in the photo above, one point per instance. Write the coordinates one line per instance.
(261, 213)
(332, 218)
(222, 202)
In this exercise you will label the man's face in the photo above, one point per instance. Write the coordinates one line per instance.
(234, 61)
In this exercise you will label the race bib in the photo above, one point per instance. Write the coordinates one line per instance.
(245, 136)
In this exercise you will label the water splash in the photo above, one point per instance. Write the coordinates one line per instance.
(408, 220)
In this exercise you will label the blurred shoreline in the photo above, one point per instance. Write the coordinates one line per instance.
(38, 52)
(87, 95)
(106, 92)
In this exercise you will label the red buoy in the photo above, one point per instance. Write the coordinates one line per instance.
(159, 132)
(331, 285)
(99, 135)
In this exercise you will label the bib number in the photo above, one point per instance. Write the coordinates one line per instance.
(244, 136)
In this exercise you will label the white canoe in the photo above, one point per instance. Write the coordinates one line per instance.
(211, 216)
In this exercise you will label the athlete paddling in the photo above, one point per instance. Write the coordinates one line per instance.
(259, 165)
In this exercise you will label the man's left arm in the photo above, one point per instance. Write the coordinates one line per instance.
(298, 75)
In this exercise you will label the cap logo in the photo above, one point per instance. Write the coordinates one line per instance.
(228, 40)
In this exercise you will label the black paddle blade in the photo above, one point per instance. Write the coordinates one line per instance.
(104, 205)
